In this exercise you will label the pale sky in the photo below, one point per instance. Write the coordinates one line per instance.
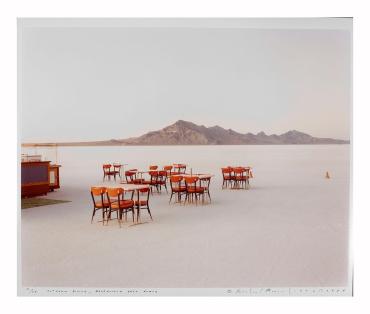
(97, 83)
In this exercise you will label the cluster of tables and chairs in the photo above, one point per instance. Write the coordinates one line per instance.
(112, 198)
(112, 170)
(193, 187)
(157, 179)
(236, 177)
(131, 195)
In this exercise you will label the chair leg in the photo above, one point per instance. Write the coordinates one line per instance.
(150, 214)
(93, 214)
(103, 215)
(170, 198)
(108, 216)
(119, 217)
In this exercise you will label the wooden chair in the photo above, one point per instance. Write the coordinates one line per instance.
(143, 203)
(177, 187)
(205, 183)
(193, 190)
(118, 204)
(108, 172)
(168, 169)
(241, 179)
(153, 181)
(117, 169)
(162, 180)
(227, 176)
(180, 168)
(99, 201)
(131, 177)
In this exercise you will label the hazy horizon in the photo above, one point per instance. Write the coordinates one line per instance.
(107, 139)
(101, 83)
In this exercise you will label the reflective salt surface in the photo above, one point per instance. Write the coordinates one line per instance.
(289, 229)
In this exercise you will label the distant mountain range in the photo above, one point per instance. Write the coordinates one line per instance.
(188, 133)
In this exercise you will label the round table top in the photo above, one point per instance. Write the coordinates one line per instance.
(125, 186)
(199, 175)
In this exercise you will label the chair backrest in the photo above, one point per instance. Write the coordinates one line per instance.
(205, 182)
(153, 167)
(175, 181)
(144, 192)
(97, 192)
(117, 167)
(106, 168)
(130, 176)
(180, 168)
(115, 194)
(191, 182)
(154, 176)
(226, 172)
(162, 175)
(239, 172)
(168, 169)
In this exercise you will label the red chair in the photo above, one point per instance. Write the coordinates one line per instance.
(227, 176)
(131, 177)
(177, 187)
(108, 172)
(117, 169)
(205, 183)
(241, 178)
(162, 180)
(118, 204)
(99, 201)
(153, 181)
(143, 203)
(153, 167)
(180, 168)
(193, 190)
(168, 169)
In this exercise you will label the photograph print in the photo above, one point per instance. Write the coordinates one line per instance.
(184, 156)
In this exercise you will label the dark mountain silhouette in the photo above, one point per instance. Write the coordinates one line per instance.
(187, 133)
